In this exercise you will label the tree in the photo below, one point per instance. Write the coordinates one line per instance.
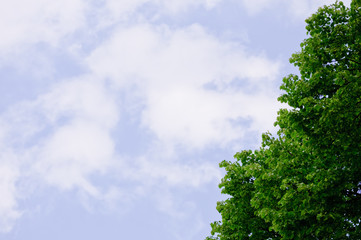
(305, 183)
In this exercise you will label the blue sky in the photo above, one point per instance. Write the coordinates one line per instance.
(114, 114)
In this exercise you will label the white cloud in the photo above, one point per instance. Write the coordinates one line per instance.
(297, 9)
(304, 9)
(194, 89)
(121, 10)
(171, 173)
(83, 98)
(174, 6)
(169, 70)
(72, 153)
(172, 68)
(24, 22)
(60, 140)
(81, 115)
(256, 6)
(9, 174)
(64, 138)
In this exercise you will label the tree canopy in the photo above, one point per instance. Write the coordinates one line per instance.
(305, 182)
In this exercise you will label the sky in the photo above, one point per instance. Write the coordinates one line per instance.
(114, 114)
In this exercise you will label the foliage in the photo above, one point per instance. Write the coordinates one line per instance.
(305, 183)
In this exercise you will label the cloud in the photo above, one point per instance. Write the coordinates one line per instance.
(192, 92)
(43, 21)
(9, 174)
(195, 92)
(23, 22)
(60, 140)
(296, 9)
(172, 69)
(256, 6)
(79, 116)
(122, 10)
(172, 173)
(304, 9)
(174, 6)
(64, 138)
(72, 153)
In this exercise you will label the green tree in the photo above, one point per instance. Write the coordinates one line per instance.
(305, 183)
